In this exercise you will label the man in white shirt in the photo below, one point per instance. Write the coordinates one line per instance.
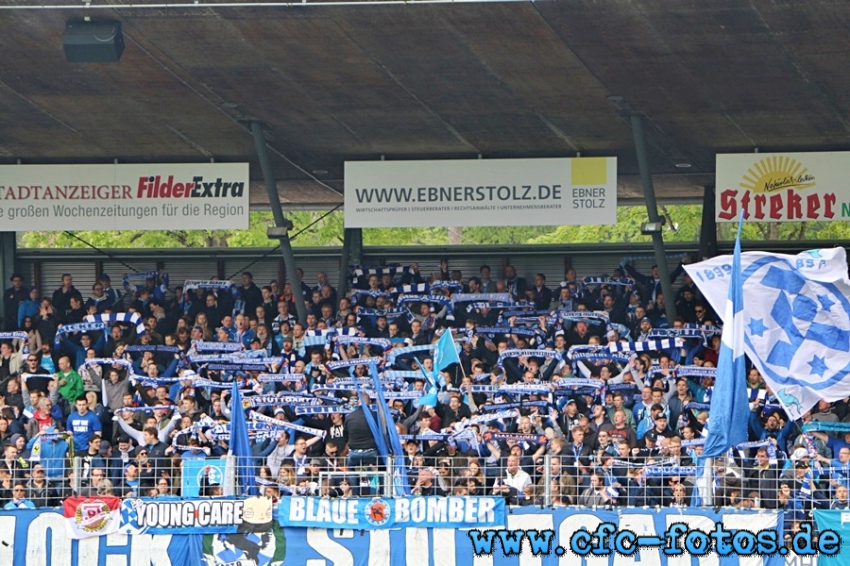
(514, 481)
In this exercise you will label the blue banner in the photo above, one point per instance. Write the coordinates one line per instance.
(38, 537)
(443, 512)
(193, 471)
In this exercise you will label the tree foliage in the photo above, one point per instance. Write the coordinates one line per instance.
(318, 229)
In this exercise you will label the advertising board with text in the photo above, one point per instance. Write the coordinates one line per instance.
(783, 187)
(481, 192)
(185, 196)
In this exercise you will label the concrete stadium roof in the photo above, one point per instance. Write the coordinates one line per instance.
(518, 79)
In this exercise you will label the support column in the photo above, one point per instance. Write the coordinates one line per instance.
(652, 212)
(282, 226)
(356, 251)
(352, 254)
(344, 261)
(8, 252)
(708, 227)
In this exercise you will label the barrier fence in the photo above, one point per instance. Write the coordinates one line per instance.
(550, 481)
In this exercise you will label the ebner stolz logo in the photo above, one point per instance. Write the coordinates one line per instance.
(92, 516)
(377, 512)
(157, 187)
(771, 191)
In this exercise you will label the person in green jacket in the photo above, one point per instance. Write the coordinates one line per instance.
(69, 381)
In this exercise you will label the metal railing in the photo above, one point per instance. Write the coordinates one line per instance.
(553, 481)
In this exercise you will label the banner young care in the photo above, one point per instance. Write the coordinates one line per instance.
(188, 196)
(481, 192)
(783, 187)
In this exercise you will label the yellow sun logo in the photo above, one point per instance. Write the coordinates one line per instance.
(775, 173)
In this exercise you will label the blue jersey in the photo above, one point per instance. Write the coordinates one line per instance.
(82, 426)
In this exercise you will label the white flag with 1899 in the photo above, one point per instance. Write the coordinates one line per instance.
(796, 321)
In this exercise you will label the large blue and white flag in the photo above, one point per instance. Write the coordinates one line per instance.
(796, 322)
(730, 405)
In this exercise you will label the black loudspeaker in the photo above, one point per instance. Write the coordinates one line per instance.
(93, 42)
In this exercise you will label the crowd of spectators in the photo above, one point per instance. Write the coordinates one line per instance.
(626, 433)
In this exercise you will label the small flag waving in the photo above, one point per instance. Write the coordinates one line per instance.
(727, 425)
(445, 353)
(91, 516)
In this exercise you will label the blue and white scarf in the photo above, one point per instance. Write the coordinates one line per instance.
(567, 382)
(152, 348)
(669, 471)
(479, 419)
(130, 280)
(694, 371)
(200, 346)
(363, 340)
(280, 377)
(453, 286)
(278, 401)
(78, 327)
(479, 297)
(506, 406)
(397, 374)
(126, 317)
(357, 293)
(529, 353)
(259, 418)
(340, 364)
(646, 345)
(324, 409)
(525, 389)
(423, 298)
(210, 285)
(613, 281)
(407, 289)
(373, 314)
(22, 336)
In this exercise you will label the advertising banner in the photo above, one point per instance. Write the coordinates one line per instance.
(457, 512)
(152, 196)
(38, 537)
(195, 516)
(783, 187)
(481, 192)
